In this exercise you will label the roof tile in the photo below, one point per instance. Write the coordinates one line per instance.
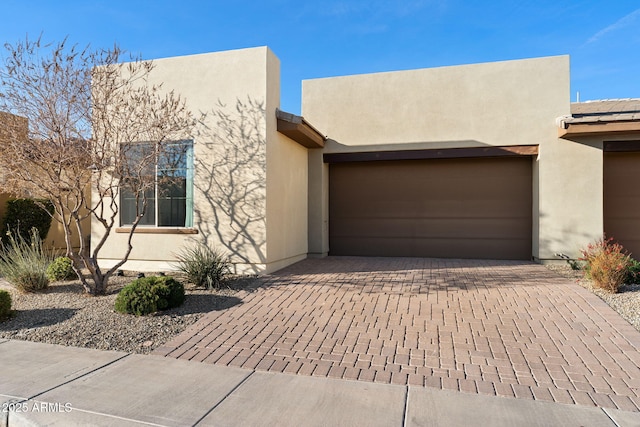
(608, 110)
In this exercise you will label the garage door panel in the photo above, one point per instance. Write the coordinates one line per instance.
(617, 205)
(468, 208)
(437, 209)
(437, 248)
(629, 225)
(430, 227)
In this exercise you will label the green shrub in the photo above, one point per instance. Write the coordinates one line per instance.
(5, 305)
(24, 214)
(575, 264)
(61, 269)
(204, 266)
(136, 298)
(633, 272)
(606, 264)
(24, 263)
(176, 296)
(149, 294)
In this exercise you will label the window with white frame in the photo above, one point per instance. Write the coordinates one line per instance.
(170, 195)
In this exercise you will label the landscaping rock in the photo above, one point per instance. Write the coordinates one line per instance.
(65, 315)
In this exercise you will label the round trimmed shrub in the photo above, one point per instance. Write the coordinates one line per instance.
(5, 304)
(149, 294)
(61, 269)
(137, 298)
(176, 296)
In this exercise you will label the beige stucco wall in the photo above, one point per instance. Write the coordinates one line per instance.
(55, 238)
(570, 194)
(240, 161)
(318, 205)
(286, 202)
(500, 103)
(580, 161)
(287, 180)
(491, 104)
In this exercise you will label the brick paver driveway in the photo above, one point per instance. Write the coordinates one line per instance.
(491, 327)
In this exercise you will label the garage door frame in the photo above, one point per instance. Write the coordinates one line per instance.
(524, 247)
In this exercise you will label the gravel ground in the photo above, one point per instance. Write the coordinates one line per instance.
(626, 302)
(63, 314)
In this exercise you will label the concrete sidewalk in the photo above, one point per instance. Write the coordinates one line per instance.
(42, 384)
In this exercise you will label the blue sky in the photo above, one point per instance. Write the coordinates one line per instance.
(330, 38)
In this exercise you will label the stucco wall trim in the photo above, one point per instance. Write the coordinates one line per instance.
(158, 230)
(447, 153)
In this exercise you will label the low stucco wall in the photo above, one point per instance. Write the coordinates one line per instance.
(55, 238)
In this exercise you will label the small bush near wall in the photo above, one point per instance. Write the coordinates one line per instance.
(606, 264)
(5, 305)
(150, 294)
(204, 266)
(61, 269)
(633, 272)
(24, 214)
(24, 262)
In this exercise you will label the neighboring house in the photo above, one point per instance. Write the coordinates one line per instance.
(612, 127)
(55, 238)
(463, 161)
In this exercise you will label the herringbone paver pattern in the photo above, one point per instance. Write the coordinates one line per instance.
(491, 327)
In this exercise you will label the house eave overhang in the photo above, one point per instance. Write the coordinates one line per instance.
(570, 129)
(433, 153)
(299, 130)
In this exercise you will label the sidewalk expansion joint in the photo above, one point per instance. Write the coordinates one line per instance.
(610, 417)
(240, 384)
(78, 377)
(405, 414)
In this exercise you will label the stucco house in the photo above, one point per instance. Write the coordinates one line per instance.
(475, 161)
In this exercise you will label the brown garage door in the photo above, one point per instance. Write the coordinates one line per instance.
(622, 199)
(450, 208)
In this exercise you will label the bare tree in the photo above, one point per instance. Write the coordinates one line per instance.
(95, 122)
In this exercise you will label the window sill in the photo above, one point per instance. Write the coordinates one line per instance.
(158, 230)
